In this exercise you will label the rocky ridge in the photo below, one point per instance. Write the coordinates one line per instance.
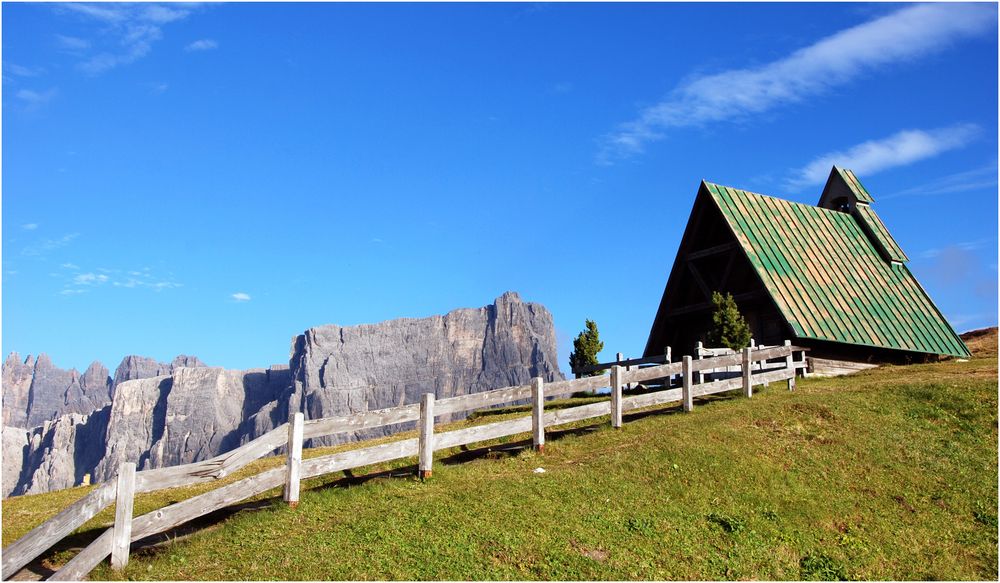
(162, 414)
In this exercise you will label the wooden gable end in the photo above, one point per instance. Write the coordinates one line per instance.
(709, 258)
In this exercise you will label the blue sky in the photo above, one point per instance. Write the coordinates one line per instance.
(214, 179)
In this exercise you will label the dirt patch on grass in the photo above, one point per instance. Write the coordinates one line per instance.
(902, 502)
(597, 554)
(814, 410)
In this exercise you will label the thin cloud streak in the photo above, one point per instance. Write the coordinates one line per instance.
(241, 297)
(205, 44)
(976, 179)
(20, 71)
(49, 245)
(962, 246)
(90, 279)
(902, 148)
(833, 61)
(35, 99)
(72, 43)
(79, 282)
(135, 28)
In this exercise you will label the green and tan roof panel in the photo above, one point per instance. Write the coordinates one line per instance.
(828, 278)
(871, 220)
(855, 185)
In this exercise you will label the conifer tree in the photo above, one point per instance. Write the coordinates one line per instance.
(585, 348)
(729, 328)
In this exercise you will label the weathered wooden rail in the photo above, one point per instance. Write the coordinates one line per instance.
(626, 362)
(700, 351)
(127, 529)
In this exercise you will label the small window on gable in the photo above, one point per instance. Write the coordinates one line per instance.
(842, 204)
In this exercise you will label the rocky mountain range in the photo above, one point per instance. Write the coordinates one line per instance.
(60, 426)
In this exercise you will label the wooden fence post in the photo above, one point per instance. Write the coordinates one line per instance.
(294, 462)
(699, 376)
(666, 360)
(426, 442)
(747, 372)
(616, 396)
(790, 364)
(538, 413)
(686, 376)
(122, 535)
(619, 358)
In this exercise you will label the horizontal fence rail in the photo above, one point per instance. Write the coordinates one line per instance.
(658, 359)
(211, 469)
(41, 538)
(359, 421)
(291, 436)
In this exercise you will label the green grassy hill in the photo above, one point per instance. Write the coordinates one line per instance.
(887, 474)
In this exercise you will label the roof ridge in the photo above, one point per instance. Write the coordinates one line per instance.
(771, 196)
(773, 232)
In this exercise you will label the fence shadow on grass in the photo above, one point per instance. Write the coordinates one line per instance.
(150, 546)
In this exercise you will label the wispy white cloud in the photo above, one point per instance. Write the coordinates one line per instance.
(72, 43)
(20, 71)
(976, 179)
(205, 44)
(104, 12)
(162, 14)
(902, 148)
(133, 29)
(162, 285)
(131, 282)
(961, 246)
(736, 94)
(29, 226)
(90, 279)
(48, 245)
(117, 278)
(34, 99)
(241, 297)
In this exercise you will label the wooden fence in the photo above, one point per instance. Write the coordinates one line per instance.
(700, 351)
(127, 529)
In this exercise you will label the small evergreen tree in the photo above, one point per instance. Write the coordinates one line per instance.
(585, 348)
(729, 328)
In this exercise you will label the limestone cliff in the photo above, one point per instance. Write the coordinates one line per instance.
(158, 414)
(342, 370)
(191, 415)
(36, 390)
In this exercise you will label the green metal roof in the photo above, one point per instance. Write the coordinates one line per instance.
(890, 248)
(828, 278)
(855, 185)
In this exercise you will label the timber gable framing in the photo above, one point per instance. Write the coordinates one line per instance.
(831, 274)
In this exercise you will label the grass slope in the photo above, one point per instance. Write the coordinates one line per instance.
(887, 474)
